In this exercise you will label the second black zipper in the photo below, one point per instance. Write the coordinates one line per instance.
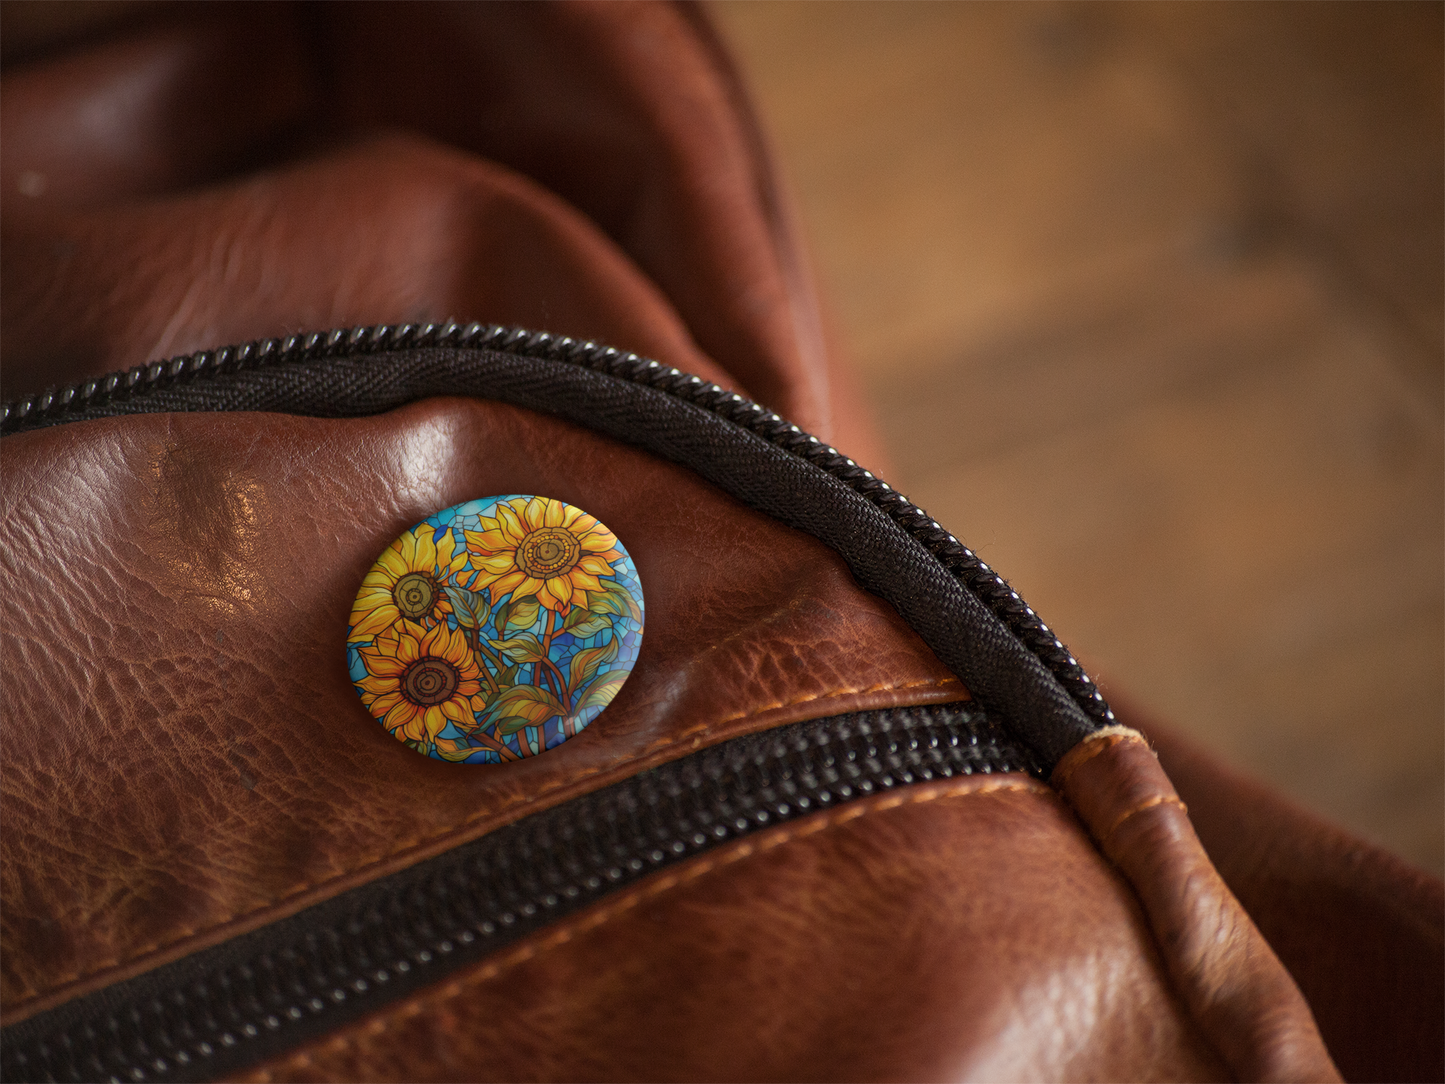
(262, 993)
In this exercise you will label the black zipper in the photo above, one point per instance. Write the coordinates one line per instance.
(222, 1009)
(263, 992)
(120, 392)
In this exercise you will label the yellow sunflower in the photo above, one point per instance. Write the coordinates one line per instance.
(538, 546)
(407, 581)
(418, 678)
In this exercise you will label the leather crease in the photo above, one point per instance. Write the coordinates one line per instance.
(148, 956)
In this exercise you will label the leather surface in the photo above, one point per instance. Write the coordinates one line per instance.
(185, 756)
(184, 192)
(1237, 990)
(956, 957)
(447, 235)
(1362, 932)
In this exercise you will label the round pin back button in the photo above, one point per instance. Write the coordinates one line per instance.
(496, 629)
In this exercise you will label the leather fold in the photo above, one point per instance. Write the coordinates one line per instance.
(1238, 991)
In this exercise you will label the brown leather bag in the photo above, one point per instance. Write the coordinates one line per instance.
(835, 832)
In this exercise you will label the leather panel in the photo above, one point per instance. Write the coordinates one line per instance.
(1237, 990)
(956, 957)
(411, 231)
(185, 755)
(1362, 932)
(183, 192)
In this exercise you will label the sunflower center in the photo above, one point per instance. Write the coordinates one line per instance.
(548, 552)
(414, 594)
(429, 681)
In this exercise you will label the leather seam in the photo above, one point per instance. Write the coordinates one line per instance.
(377, 859)
(587, 923)
(1146, 804)
(1089, 747)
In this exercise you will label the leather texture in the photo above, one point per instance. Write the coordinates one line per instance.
(185, 759)
(175, 592)
(193, 150)
(1233, 983)
(1362, 932)
(955, 957)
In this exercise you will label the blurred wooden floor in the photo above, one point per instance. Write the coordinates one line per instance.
(1149, 301)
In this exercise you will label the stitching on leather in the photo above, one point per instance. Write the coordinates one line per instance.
(1091, 746)
(289, 894)
(1147, 803)
(587, 923)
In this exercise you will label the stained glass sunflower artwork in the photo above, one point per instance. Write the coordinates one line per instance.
(537, 547)
(407, 581)
(420, 680)
(530, 599)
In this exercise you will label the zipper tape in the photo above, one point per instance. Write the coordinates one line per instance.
(264, 992)
(974, 622)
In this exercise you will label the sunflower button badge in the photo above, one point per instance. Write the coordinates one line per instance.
(496, 629)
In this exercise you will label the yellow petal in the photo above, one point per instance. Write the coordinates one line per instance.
(377, 620)
(473, 579)
(559, 590)
(392, 564)
(598, 541)
(408, 642)
(402, 714)
(381, 664)
(510, 524)
(482, 542)
(534, 512)
(457, 561)
(375, 684)
(382, 705)
(452, 647)
(406, 547)
(595, 565)
(582, 580)
(435, 641)
(426, 550)
(553, 513)
(497, 563)
(435, 721)
(529, 585)
(377, 582)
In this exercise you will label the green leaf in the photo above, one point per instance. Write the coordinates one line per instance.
(461, 606)
(457, 754)
(614, 599)
(520, 612)
(587, 661)
(508, 676)
(583, 623)
(510, 725)
(522, 648)
(526, 702)
(501, 615)
(601, 692)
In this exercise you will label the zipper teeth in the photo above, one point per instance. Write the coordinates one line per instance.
(475, 900)
(988, 586)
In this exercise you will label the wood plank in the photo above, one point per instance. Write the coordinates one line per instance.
(1148, 298)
